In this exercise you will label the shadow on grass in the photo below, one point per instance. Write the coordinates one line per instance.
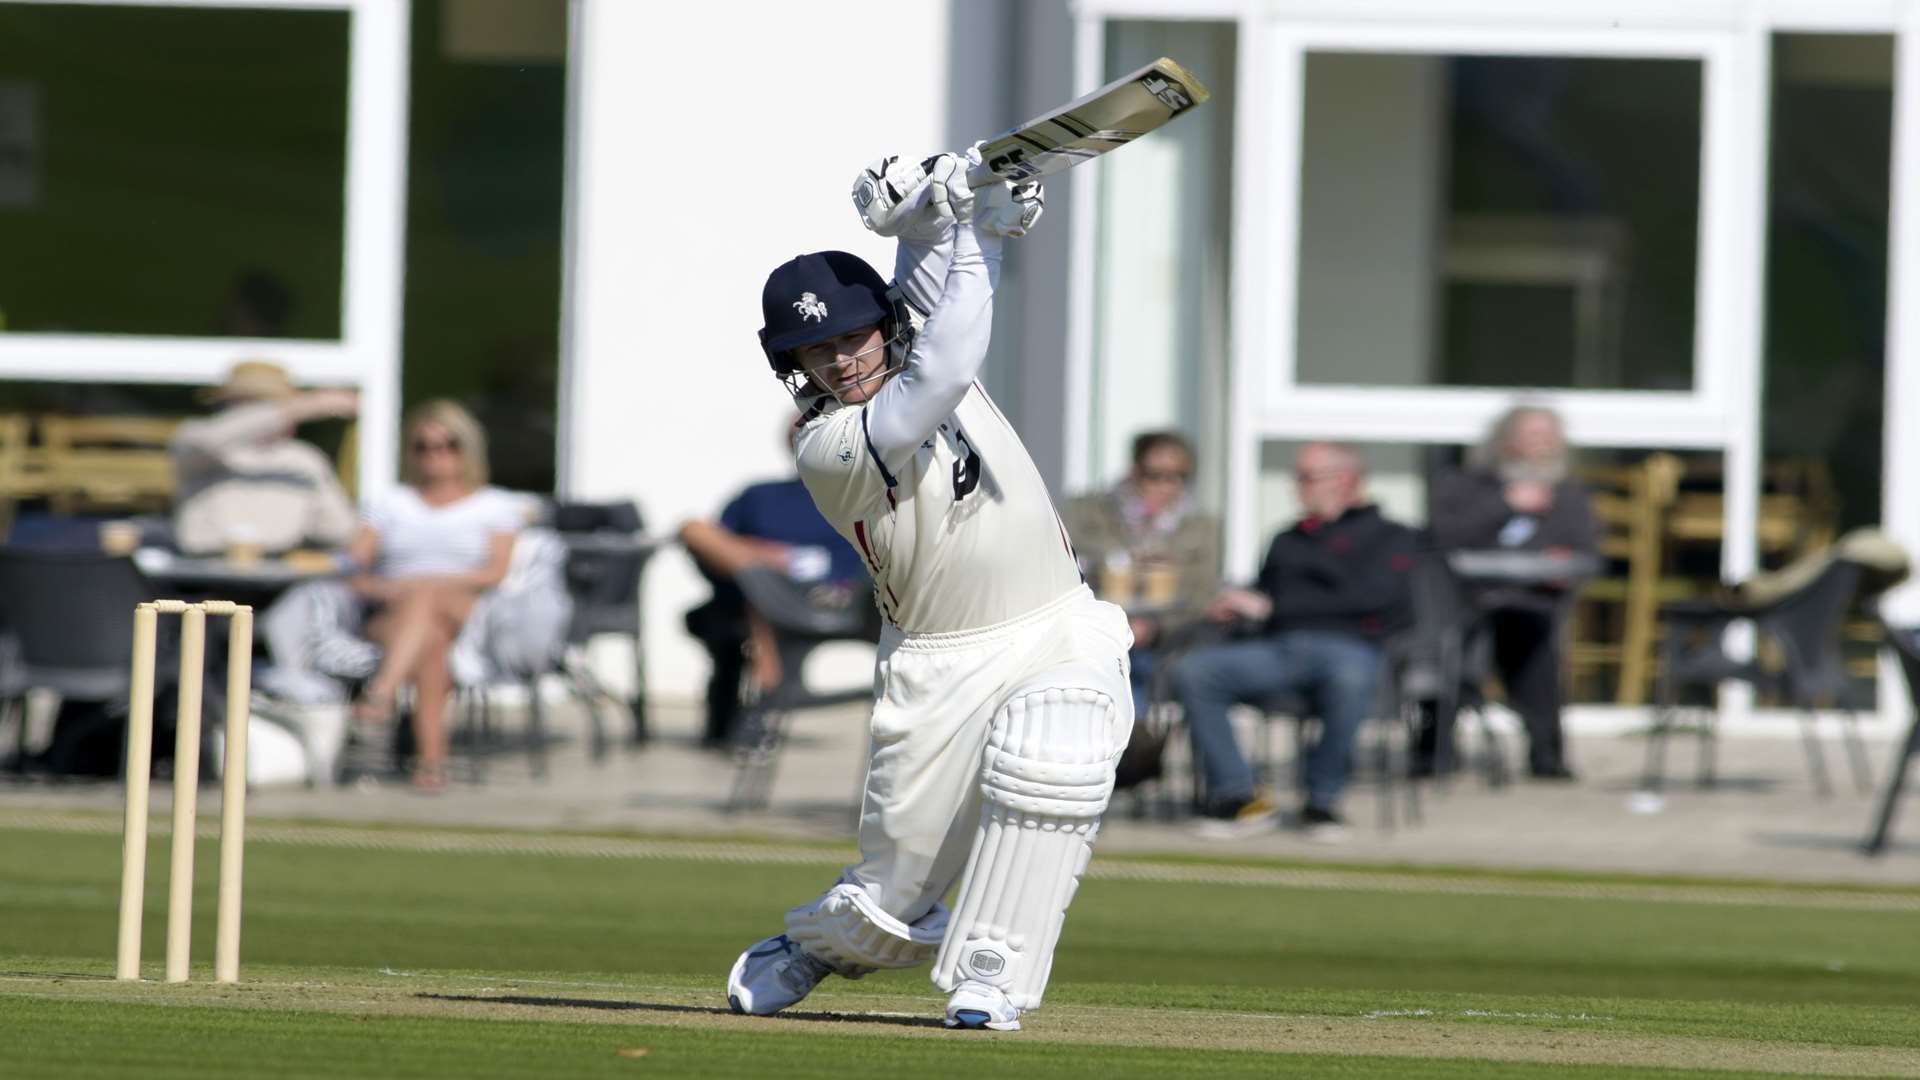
(659, 1007)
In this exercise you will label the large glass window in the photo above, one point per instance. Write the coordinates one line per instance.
(172, 171)
(1160, 333)
(1826, 317)
(1503, 221)
(485, 167)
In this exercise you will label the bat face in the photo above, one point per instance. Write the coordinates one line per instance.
(1108, 118)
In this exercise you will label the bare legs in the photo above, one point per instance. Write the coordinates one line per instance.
(416, 632)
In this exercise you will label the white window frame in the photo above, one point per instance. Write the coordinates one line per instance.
(367, 354)
(1717, 413)
(1735, 43)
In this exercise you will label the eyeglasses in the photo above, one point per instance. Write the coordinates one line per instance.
(1164, 476)
(430, 446)
(1304, 477)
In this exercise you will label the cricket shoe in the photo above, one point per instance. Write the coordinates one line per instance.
(977, 1006)
(772, 975)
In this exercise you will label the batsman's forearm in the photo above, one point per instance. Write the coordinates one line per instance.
(920, 270)
(947, 355)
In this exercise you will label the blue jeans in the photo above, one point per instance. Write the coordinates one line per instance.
(1142, 664)
(1338, 674)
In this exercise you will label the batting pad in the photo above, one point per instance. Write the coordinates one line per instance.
(846, 930)
(1046, 780)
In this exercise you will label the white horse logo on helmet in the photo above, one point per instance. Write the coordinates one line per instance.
(811, 307)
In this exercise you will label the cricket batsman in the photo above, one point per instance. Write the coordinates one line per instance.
(1001, 693)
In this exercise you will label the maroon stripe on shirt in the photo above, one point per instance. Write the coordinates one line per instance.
(860, 534)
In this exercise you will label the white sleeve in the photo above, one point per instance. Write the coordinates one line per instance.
(949, 349)
(920, 268)
(508, 511)
(839, 468)
(378, 513)
(241, 426)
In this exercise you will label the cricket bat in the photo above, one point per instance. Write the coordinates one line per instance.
(1086, 127)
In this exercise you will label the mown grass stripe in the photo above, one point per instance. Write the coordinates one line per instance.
(745, 853)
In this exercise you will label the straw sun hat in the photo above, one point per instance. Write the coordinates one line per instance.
(253, 380)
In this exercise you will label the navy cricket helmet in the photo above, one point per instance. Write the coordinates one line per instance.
(811, 298)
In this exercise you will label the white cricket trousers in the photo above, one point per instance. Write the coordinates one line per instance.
(936, 696)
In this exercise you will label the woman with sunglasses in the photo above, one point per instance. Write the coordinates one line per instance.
(426, 551)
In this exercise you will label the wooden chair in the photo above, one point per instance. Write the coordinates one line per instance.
(1616, 620)
(348, 464)
(119, 462)
(22, 472)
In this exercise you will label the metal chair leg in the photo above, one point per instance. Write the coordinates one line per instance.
(638, 706)
(1896, 784)
(1653, 776)
(1383, 755)
(1410, 724)
(536, 730)
(777, 729)
(477, 734)
(1816, 760)
(582, 688)
(1856, 752)
(1708, 775)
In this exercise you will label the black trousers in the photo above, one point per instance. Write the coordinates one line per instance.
(721, 625)
(1526, 653)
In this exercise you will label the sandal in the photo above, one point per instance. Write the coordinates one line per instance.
(430, 778)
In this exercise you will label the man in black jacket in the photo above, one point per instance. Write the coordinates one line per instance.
(1332, 587)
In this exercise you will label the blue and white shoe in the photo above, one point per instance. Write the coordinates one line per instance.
(772, 975)
(976, 1005)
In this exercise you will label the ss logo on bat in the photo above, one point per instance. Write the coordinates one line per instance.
(1013, 165)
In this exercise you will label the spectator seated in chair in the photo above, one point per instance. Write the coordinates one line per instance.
(244, 481)
(770, 525)
(1516, 494)
(427, 551)
(1147, 530)
(1330, 591)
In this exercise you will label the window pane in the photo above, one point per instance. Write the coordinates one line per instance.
(1499, 221)
(1160, 334)
(485, 164)
(1826, 318)
(172, 171)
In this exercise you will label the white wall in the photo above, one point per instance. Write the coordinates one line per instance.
(715, 142)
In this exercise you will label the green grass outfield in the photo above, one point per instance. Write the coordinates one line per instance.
(373, 952)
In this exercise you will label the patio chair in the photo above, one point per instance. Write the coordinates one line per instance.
(1388, 718)
(1797, 658)
(603, 583)
(1906, 649)
(606, 568)
(71, 619)
(802, 620)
